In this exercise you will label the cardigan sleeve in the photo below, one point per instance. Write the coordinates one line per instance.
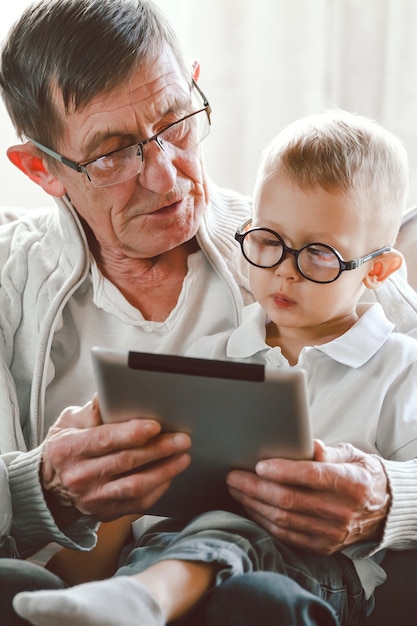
(26, 523)
(33, 525)
(6, 548)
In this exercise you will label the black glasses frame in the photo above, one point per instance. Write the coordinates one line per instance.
(81, 167)
(344, 266)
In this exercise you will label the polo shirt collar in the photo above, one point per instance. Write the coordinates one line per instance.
(354, 348)
(363, 340)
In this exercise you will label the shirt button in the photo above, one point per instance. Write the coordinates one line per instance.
(147, 328)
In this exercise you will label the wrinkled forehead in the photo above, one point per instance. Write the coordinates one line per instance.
(143, 98)
(163, 67)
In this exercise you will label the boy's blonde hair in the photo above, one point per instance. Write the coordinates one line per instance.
(341, 151)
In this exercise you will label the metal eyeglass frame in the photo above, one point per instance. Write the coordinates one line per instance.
(82, 167)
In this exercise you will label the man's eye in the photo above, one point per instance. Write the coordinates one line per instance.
(104, 163)
(115, 159)
(176, 133)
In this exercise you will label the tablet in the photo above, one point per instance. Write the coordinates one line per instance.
(236, 414)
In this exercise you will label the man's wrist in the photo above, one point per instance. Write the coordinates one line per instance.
(63, 514)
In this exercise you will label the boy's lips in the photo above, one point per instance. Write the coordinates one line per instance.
(281, 300)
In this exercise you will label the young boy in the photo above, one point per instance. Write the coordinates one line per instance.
(328, 203)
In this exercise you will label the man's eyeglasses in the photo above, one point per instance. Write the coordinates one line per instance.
(120, 165)
(317, 262)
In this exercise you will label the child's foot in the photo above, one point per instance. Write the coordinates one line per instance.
(120, 601)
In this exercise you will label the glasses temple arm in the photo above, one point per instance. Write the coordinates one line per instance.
(55, 155)
(353, 265)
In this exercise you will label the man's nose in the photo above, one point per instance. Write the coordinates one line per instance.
(158, 173)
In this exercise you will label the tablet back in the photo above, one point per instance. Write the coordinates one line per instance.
(235, 413)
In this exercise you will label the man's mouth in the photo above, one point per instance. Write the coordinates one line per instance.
(165, 210)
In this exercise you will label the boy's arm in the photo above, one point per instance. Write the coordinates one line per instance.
(101, 562)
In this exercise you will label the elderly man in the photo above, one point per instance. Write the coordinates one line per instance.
(139, 254)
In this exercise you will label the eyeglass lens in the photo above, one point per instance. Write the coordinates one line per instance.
(317, 262)
(125, 163)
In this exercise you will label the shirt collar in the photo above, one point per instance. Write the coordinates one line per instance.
(354, 348)
(361, 342)
(249, 338)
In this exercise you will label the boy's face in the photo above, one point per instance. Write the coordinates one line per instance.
(303, 217)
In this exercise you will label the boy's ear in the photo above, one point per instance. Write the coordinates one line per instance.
(383, 266)
(27, 158)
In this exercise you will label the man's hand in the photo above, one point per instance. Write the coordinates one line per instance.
(108, 470)
(324, 505)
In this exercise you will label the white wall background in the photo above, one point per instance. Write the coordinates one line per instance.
(265, 63)
(15, 188)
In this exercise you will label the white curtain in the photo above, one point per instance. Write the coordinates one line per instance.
(268, 62)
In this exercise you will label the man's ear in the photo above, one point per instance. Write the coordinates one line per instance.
(383, 266)
(196, 70)
(27, 158)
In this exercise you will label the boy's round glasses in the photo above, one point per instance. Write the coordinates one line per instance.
(317, 262)
(120, 165)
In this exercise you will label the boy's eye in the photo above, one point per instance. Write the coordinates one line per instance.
(322, 255)
(270, 242)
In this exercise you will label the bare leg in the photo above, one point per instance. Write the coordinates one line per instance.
(177, 586)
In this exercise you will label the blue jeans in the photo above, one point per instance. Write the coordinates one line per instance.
(264, 577)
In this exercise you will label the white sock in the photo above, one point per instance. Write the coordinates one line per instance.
(120, 601)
